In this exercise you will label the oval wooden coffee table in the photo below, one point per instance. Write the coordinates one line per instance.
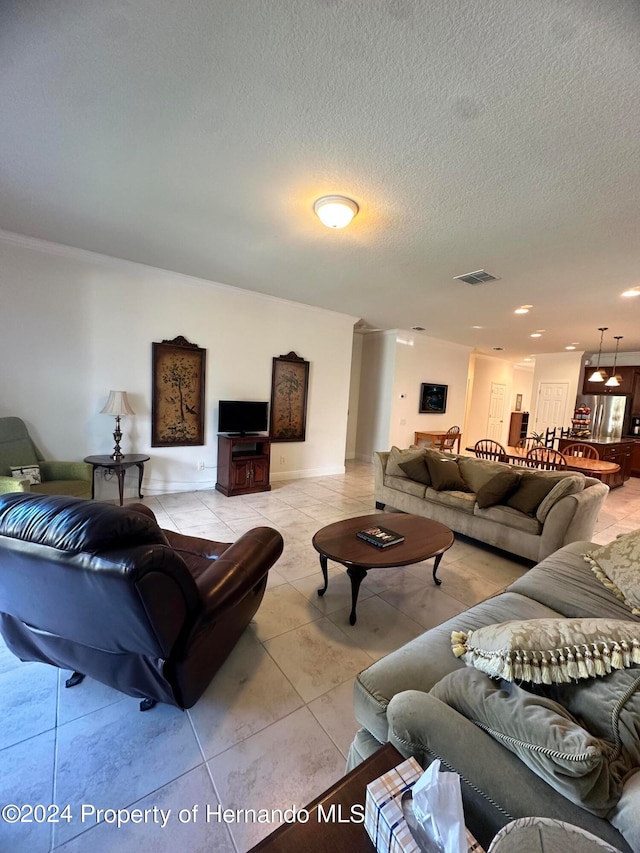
(423, 539)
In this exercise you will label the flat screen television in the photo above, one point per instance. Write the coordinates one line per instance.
(242, 416)
(433, 398)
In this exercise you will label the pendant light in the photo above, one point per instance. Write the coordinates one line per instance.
(599, 375)
(614, 380)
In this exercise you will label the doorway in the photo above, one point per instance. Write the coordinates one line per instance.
(551, 410)
(495, 425)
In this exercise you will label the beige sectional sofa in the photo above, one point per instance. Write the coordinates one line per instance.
(567, 514)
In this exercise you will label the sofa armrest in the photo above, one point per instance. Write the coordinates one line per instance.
(572, 518)
(66, 471)
(426, 728)
(234, 573)
(11, 484)
(379, 467)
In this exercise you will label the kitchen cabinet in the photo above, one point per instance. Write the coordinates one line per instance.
(635, 459)
(627, 376)
(635, 402)
(610, 450)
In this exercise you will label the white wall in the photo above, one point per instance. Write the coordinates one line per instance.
(394, 365)
(486, 370)
(422, 359)
(354, 396)
(376, 389)
(75, 324)
(522, 384)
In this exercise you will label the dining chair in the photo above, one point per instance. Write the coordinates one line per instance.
(586, 451)
(552, 435)
(449, 440)
(487, 448)
(546, 458)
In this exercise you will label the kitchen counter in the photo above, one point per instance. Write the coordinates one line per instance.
(619, 450)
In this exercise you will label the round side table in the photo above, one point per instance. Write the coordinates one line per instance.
(118, 467)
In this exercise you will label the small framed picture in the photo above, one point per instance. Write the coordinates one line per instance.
(518, 402)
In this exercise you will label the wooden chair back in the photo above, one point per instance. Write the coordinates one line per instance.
(449, 440)
(486, 448)
(528, 443)
(586, 451)
(546, 458)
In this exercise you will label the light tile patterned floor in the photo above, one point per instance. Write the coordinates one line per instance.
(274, 727)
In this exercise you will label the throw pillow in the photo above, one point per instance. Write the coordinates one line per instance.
(531, 491)
(544, 651)
(587, 770)
(396, 456)
(445, 474)
(570, 484)
(477, 472)
(416, 469)
(617, 566)
(498, 489)
(27, 472)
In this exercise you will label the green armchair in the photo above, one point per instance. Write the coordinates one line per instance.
(57, 478)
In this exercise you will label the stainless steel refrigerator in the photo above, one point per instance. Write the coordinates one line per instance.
(607, 415)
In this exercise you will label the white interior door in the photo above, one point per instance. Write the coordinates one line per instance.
(552, 405)
(495, 426)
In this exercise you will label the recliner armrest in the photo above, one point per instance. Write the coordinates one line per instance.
(242, 565)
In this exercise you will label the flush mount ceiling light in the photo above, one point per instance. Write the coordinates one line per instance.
(599, 375)
(615, 379)
(335, 211)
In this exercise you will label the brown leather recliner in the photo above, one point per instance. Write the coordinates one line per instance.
(102, 590)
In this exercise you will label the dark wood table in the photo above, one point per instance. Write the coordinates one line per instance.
(340, 833)
(118, 467)
(423, 539)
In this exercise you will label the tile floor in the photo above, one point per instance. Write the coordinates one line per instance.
(274, 727)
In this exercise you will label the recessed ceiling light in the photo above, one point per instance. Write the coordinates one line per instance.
(634, 291)
(521, 310)
(527, 359)
(571, 347)
(477, 327)
(535, 335)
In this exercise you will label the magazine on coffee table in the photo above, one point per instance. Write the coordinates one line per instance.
(381, 537)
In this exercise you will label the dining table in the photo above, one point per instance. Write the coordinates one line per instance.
(434, 437)
(598, 468)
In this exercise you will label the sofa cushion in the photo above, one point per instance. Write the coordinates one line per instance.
(404, 484)
(531, 491)
(543, 651)
(463, 501)
(567, 485)
(498, 488)
(445, 474)
(477, 472)
(416, 469)
(510, 518)
(617, 567)
(586, 769)
(396, 456)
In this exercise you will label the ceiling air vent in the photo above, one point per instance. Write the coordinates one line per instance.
(477, 277)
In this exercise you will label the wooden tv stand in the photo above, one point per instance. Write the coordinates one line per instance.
(243, 463)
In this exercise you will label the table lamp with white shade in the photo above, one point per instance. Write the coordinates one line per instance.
(117, 405)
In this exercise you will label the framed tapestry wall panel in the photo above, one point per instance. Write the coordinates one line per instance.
(289, 386)
(177, 407)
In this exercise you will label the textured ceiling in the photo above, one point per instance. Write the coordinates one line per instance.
(195, 136)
